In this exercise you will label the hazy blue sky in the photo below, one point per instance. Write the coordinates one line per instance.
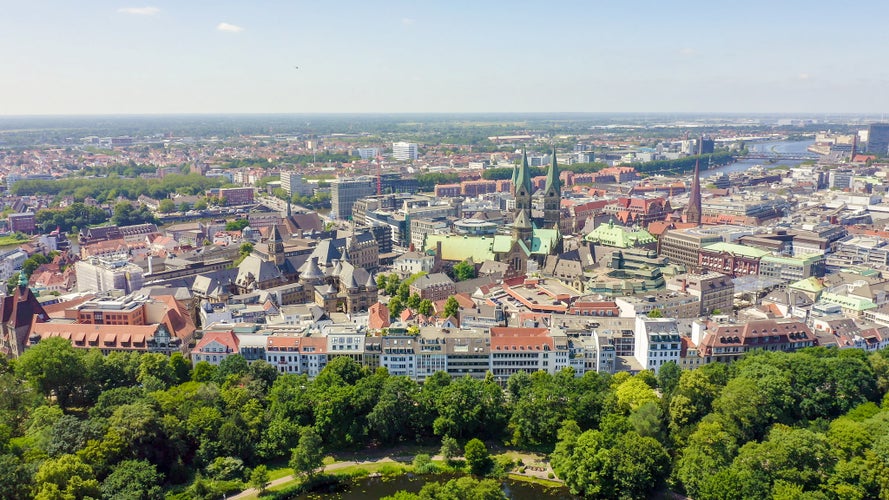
(218, 56)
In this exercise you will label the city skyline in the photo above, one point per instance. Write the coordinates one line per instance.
(159, 57)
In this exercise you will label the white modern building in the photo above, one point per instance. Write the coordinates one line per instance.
(368, 153)
(104, 275)
(404, 151)
(11, 261)
(293, 183)
(657, 342)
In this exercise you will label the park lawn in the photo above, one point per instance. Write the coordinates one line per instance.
(385, 468)
(11, 240)
(549, 483)
(279, 471)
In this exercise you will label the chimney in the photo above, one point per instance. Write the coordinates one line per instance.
(684, 285)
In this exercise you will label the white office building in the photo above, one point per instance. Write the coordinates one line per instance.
(404, 151)
(368, 153)
(293, 183)
(106, 274)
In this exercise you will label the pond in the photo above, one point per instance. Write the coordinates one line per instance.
(375, 487)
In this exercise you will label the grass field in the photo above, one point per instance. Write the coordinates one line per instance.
(11, 241)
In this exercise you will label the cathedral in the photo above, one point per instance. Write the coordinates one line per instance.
(526, 240)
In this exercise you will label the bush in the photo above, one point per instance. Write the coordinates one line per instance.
(477, 457)
(318, 484)
(423, 464)
(391, 469)
(203, 488)
(226, 469)
(551, 475)
(355, 474)
(502, 466)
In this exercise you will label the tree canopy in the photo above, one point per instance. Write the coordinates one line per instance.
(77, 423)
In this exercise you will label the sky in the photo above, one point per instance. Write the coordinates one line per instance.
(255, 56)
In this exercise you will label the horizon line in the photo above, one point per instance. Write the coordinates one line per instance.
(451, 113)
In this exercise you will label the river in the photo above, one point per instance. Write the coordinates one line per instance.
(764, 147)
(372, 488)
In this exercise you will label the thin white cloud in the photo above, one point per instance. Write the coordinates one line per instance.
(139, 11)
(407, 21)
(687, 51)
(231, 28)
(804, 76)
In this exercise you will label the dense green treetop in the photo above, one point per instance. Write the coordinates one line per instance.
(77, 424)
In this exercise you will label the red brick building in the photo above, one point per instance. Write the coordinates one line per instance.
(22, 222)
(237, 196)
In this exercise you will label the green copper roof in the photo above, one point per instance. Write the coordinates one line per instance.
(524, 247)
(523, 176)
(618, 236)
(481, 248)
(853, 303)
(552, 176)
(455, 248)
(792, 261)
(502, 243)
(735, 249)
(810, 284)
(544, 241)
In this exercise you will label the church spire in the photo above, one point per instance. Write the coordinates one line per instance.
(523, 175)
(693, 212)
(523, 187)
(552, 175)
(513, 179)
(552, 195)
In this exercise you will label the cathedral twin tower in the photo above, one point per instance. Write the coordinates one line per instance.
(522, 227)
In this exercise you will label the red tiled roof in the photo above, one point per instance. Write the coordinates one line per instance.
(317, 345)
(120, 337)
(464, 300)
(512, 338)
(177, 318)
(378, 316)
(228, 339)
(278, 342)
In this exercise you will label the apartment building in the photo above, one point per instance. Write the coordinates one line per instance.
(657, 342)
